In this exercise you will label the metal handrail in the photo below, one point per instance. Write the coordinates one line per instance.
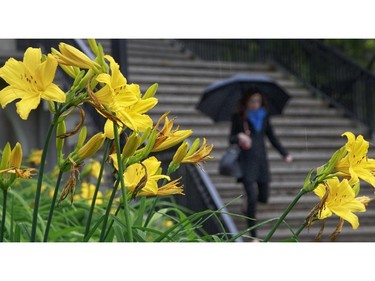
(211, 189)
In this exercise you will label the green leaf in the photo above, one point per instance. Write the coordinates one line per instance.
(118, 230)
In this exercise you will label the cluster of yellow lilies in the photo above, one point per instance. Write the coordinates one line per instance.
(100, 83)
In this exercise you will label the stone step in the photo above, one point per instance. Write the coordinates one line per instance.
(289, 112)
(197, 81)
(308, 133)
(154, 54)
(277, 122)
(197, 64)
(205, 72)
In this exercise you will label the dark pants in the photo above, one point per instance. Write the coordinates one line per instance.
(256, 192)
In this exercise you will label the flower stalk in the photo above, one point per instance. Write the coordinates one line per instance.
(52, 208)
(284, 214)
(123, 188)
(105, 154)
(2, 229)
(40, 178)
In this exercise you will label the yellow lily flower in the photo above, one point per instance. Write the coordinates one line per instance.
(133, 116)
(199, 155)
(87, 192)
(340, 201)
(30, 80)
(115, 94)
(95, 168)
(35, 156)
(141, 179)
(167, 138)
(170, 188)
(148, 171)
(123, 100)
(356, 164)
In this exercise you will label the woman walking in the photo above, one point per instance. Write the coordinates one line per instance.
(250, 125)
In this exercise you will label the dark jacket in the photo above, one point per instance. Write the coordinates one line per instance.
(254, 162)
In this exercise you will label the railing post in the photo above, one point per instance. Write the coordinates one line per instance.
(120, 54)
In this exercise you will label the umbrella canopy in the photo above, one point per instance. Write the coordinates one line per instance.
(221, 98)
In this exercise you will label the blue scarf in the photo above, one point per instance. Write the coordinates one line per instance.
(256, 118)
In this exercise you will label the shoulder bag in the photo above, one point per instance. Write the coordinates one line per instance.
(229, 164)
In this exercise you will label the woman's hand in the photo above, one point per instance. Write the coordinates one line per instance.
(244, 141)
(288, 158)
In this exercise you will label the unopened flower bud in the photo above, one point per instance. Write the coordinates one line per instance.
(131, 145)
(72, 56)
(194, 147)
(92, 146)
(60, 130)
(5, 157)
(93, 46)
(16, 156)
(180, 153)
(82, 136)
(151, 91)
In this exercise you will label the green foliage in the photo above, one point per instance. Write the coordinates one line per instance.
(360, 50)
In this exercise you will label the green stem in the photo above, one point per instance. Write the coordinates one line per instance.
(5, 195)
(123, 189)
(299, 230)
(286, 212)
(40, 179)
(52, 208)
(106, 150)
(108, 210)
(112, 221)
(152, 210)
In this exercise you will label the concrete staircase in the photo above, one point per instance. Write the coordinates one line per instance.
(309, 128)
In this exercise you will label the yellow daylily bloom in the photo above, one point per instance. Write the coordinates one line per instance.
(356, 164)
(200, 155)
(340, 201)
(35, 156)
(167, 138)
(30, 81)
(123, 100)
(115, 94)
(149, 172)
(142, 180)
(87, 192)
(95, 168)
(170, 188)
(71, 56)
(135, 116)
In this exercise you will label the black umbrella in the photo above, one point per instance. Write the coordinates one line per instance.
(220, 98)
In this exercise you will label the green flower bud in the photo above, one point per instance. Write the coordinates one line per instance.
(194, 147)
(131, 145)
(151, 91)
(181, 153)
(5, 157)
(60, 130)
(82, 137)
